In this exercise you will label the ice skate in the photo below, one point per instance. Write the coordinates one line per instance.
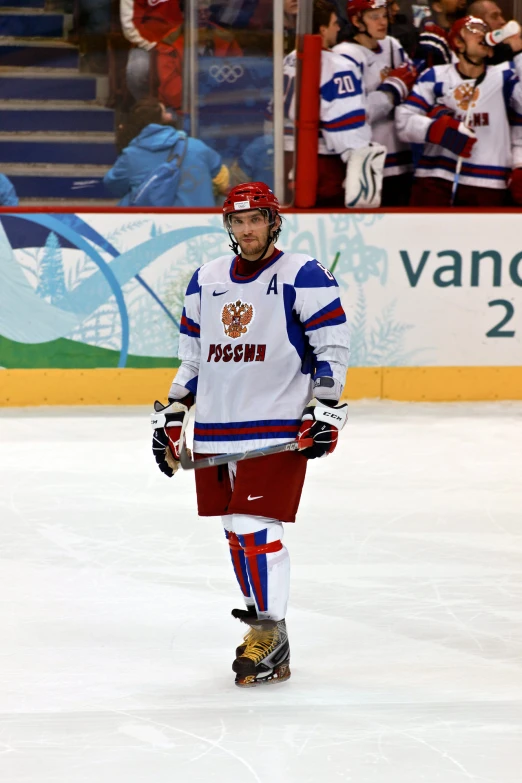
(265, 656)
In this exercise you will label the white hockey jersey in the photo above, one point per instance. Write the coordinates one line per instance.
(342, 113)
(496, 118)
(375, 65)
(250, 348)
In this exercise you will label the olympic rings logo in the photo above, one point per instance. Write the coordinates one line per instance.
(226, 73)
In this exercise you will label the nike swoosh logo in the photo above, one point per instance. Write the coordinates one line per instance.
(257, 497)
(219, 293)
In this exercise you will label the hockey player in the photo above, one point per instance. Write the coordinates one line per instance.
(346, 113)
(343, 124)
(472, 111)
(264, 349)
(388, 78)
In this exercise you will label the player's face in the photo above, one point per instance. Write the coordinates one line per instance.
(475, 44)
(329, 34)
(376, 22)
(492, 15)
(251, 231)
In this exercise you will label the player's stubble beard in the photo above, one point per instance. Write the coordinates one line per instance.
(251, 251)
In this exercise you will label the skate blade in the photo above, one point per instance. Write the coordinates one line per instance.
(279, 674)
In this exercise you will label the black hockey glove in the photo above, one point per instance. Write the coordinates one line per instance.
(167, 423)
(321, 422)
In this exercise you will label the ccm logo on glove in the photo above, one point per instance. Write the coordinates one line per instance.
(321, 422)
(330, 415)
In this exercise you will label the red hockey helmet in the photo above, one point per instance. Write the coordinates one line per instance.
(355, 7)
(250, 195)
(471, 23)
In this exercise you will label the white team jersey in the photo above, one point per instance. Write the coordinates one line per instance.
(343, 122)
(496, 118)
(250, 348)
(376, 63)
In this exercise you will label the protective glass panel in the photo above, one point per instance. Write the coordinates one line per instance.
(229, 83)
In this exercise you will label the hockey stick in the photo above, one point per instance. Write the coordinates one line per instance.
(187, 463)
(458, 167)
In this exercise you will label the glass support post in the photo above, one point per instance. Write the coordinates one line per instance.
(278, 48)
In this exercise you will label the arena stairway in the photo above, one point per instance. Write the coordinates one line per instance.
(56, 136)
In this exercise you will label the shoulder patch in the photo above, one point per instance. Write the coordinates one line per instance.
(314, 275)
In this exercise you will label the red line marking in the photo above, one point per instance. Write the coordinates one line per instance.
(325, 317)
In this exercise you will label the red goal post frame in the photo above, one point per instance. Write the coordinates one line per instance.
(128, 386)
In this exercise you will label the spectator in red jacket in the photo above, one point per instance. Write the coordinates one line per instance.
(146, 23)
(164, 32)
(213, 40)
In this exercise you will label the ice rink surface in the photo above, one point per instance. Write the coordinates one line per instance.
(404, 621)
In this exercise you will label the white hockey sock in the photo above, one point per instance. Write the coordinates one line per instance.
(267, 562)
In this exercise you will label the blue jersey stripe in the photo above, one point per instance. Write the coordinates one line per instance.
(429, 163)
(242, 424)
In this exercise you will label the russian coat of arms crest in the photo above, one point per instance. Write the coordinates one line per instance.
(465, 94)
(236, 316)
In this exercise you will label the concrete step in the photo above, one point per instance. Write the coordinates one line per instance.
(62, 182)
(97, 149)
(19, 4)
(37, 84)
(60, 137)
(38, 52)
(32, 23)
(36, 41)
(64, 202)
(68, 116)
(14, 10)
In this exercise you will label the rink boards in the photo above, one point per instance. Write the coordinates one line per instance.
(142, 387)
(90, 303)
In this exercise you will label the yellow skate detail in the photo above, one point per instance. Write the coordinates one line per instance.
(260, 644)
(248, 638)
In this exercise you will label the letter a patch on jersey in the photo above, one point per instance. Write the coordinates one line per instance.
(272, 286)
(236, 317)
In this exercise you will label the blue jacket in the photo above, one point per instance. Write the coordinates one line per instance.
(8, 197)
(257, 160)
(152, 148)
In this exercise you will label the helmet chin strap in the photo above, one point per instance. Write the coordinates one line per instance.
(366, 34)
(470, 61)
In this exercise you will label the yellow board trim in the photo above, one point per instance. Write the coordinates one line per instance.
(141, 387)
